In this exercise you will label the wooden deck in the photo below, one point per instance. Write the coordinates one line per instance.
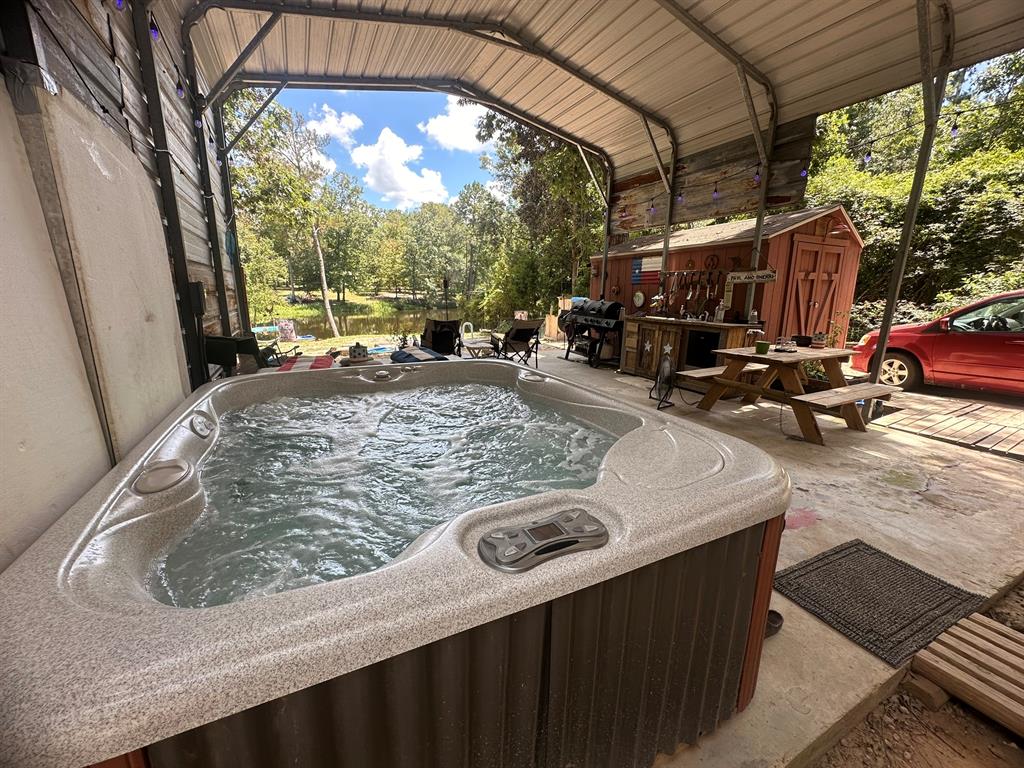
(981, 662)
(979, 425)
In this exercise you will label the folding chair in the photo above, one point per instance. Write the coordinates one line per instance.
(518, 340)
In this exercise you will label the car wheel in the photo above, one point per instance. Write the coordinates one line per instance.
(900, 370)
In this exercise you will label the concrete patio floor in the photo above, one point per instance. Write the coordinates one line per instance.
(952, 511)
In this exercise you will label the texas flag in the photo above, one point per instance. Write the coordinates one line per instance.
(646, 269)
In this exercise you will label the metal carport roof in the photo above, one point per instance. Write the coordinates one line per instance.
(586, 69)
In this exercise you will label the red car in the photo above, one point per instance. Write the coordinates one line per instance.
(980, 346)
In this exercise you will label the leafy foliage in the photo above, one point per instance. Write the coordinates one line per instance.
(971, 219)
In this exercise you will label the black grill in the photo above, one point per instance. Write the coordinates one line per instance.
(588, 326)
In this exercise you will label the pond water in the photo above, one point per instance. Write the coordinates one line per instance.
(388, 324)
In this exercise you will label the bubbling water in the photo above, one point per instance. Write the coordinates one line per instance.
(303, 490)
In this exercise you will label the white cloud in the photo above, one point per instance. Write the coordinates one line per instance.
(495, 188)
(455, 128)
(388, 172)
(339, 126)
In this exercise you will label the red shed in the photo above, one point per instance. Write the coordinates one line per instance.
(815, 254)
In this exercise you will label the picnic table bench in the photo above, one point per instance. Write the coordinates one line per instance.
(787, 369)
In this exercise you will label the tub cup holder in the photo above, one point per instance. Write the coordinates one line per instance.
(161, 476)
(201, 425)
(530, 376)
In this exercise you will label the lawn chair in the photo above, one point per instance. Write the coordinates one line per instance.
(517, 340)
(442, 336)
(224, 351)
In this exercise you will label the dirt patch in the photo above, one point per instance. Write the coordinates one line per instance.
(1010, 610)
(901, 733)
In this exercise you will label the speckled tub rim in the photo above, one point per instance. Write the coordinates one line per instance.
(91, 668)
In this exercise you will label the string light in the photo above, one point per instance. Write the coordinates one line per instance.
(680, 198)
(652, 210)
(714, 192)
(198, 122)
(867, 155)
(119, 4)
(757, 174)
(803, 172)
(179, 89)
(954, 129)
(154, 30)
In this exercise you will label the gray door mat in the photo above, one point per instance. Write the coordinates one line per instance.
(883, 604)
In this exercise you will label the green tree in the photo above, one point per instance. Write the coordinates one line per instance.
(971, 219)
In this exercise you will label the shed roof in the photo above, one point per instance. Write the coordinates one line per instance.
(741, 231)
(529, 56)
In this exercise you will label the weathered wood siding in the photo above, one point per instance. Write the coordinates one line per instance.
(732, 166)
(89, 48)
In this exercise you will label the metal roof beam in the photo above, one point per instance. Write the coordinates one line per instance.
(752, 114)
(489, 32)
(657, 156)
(709, 37)
(255, 116)
(593, 177)
(453, 87)
(237, 64)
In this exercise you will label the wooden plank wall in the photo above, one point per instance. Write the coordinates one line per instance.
(770, 298)
(732, 167)
(88, 46)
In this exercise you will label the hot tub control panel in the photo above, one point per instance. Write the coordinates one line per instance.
(520, 549)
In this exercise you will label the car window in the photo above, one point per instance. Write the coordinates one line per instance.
(997, 316)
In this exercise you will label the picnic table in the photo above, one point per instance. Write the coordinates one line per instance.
(787, 369)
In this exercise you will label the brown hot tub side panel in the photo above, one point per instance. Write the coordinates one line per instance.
(607, 676)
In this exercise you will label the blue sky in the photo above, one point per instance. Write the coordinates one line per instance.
(405, 149)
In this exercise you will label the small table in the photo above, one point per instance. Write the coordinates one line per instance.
(787, 368)
(478, 348)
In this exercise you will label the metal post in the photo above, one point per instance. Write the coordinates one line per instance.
(210, 208)
(241, 296)
(610, 171)
(197, 372)
(669, 208)
(933, 86)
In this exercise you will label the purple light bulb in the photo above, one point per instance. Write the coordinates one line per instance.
(714, 193)
(179, 89)
(154, 30)
(803, 173)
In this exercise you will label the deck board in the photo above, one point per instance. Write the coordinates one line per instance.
(972, 424)
(980, 661)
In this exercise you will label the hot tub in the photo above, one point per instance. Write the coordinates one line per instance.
(592, 625)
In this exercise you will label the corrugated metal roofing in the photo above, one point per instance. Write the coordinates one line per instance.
(741, 231)
(820, 56)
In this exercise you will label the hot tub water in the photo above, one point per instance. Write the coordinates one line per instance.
(302, 490)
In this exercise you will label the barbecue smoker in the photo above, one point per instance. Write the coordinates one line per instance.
(588, 326)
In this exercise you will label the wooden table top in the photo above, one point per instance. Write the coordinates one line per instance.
(801, 355)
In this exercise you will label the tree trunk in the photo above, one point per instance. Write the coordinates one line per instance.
(324, 290)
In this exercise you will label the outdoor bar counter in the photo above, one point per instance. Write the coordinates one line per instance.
(689, 342)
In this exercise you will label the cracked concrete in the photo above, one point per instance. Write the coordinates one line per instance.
(949, 510)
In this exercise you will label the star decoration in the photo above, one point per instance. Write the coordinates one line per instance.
(647, 346)
(667, 349)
